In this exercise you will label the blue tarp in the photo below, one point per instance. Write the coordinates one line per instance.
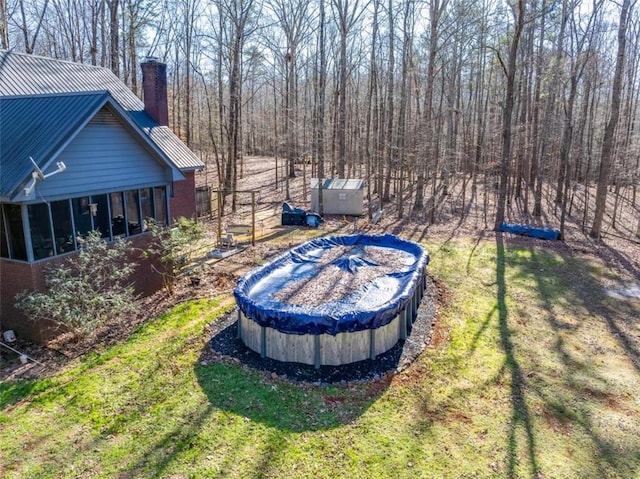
(370, 306)
(526, 230)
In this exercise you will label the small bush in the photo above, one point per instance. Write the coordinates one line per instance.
(175, 247)
(88, 290)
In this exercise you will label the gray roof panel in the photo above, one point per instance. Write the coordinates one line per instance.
(32, 75)
(338, 184)
(37, 126)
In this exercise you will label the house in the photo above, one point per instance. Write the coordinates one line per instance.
(79, 151)
(339, 196)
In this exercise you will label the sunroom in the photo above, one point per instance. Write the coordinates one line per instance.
(41, 230)
(73, 163)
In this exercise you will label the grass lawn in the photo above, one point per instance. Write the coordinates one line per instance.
(533, 373)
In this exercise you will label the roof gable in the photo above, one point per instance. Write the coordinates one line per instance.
(39, 127)
(36, 127)
(32, 75)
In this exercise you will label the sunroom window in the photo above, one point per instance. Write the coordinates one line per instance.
(62, 226)
(40, 229)
(15, 234)
(56, 226)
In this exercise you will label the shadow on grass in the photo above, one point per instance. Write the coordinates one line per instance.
(520, 414)
(581, 392)
(298, 397)
(285, 406)
(12, 392)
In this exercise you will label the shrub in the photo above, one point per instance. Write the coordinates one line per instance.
(91, 288)
(175, 247)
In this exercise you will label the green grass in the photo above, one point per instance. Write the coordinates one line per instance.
(533, 372)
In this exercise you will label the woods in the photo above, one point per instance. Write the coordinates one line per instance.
(415, 96)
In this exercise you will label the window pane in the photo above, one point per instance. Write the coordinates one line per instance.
(101, 217)
(13, 217)
(118, 226)
(146, 202)
(160, 202)
(4, 244)
(40, 228)
(133, 213)
(62, 228)
(81, 216)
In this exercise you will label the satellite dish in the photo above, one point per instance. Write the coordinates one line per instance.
(37, 174)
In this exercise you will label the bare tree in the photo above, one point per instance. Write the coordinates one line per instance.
(346, 13)
(114, 37)
(436, 10)
(239, 15)
(292, 19)
(518, 12)
(319, 102)
(4, 26)
(606, 158)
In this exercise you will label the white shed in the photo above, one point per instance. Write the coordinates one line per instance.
(339, 196)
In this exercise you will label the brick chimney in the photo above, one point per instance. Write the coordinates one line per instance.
(154, 90)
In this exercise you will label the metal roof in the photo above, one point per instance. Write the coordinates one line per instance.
(36, 126)
(40, 126)
(22, 75)
(338, 184)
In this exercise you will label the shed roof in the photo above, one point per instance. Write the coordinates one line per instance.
(22, 75)
(338, 184)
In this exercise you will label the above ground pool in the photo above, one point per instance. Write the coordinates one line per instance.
(333, 300)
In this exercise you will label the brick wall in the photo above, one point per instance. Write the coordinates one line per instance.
(183, 202)
(16, 276)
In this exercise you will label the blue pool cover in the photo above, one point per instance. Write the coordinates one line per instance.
(526, 230)
(371, 306)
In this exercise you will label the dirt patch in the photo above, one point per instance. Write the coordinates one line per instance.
(557, 422)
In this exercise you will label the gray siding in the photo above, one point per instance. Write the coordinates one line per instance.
(33, 75)
(104, 156)
(338, 202)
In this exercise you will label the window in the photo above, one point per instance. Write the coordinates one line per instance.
(133, 212)
(56, 226)
(62, 227)
(40, 227)
(101, 218)
(160, 203)
(118, 221)
(4, 238)
(81, 216)
(13, 223)
(146, 205)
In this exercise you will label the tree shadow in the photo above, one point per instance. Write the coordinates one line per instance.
(570, 401)
(520, 414)
(299, 397)
(623, 260)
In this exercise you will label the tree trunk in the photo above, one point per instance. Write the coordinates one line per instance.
(4, 28)
(507, 111)
(114, 38)
(606, 158)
